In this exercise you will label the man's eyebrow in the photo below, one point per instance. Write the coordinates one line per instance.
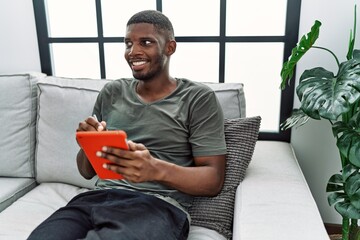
(147, 38)
(141, 39)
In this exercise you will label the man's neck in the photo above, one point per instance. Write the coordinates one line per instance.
(155, 89)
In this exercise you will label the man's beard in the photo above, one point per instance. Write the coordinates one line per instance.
(159, 63)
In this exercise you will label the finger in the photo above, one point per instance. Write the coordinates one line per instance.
(84, 126)
(113, 155)
(103, 123)
(136, 146)
(132, 145)
(95, 122)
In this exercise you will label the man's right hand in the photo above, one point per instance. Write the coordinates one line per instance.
(91, 124)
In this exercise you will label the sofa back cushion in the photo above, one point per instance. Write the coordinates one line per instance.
(64, 102)
(17, 128)
(231, 97)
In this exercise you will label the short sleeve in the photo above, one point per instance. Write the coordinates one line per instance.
(207, 126)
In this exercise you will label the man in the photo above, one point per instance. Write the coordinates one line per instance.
(176, 147)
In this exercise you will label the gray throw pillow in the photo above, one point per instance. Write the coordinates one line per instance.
(217, 212)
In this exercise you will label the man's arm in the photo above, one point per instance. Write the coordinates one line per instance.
(137, 165)
(83, 164)
(205, 179)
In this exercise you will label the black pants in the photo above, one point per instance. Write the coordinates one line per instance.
(114, 214)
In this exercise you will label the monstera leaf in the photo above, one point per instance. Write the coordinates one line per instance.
(345, 192)
(348, 139)
(298, 117)
(323, 95)
(305, 43)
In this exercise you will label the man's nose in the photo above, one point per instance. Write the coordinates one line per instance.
(134, 49)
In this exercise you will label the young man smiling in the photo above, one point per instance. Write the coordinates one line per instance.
(176, 148)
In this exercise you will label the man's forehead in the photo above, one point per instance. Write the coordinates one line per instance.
(145, 29)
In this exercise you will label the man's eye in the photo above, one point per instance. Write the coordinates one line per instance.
(146, 42)
(128, 44)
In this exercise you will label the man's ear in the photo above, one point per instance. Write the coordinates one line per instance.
(171, 47)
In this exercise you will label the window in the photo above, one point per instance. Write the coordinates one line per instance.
(218, 41)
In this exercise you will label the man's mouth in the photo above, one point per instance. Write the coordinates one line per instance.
(137, 65)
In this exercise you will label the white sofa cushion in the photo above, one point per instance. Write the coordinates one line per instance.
(231, 97)
(18, 220)
(274, 202)
(13, 188)
(63, 103)
(18, 118)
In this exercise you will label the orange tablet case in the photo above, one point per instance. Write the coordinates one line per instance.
(91, 142)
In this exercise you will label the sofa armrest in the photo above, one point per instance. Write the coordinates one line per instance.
(274, 200)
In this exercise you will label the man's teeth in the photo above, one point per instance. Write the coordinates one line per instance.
(138, 63)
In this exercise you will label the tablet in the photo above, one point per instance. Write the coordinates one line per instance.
(93, 141)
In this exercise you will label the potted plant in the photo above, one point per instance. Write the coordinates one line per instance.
(336, 98)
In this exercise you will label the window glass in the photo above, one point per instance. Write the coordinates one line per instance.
(258, 66)
(196, 61)
(115, 15)
(68, 18)
(204, 53)
(116, 65)
(255, 17)
(193, 18)
(75, 60)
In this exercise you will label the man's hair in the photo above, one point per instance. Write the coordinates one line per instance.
(161, 23)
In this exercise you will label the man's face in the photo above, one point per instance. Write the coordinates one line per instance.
(145, 51)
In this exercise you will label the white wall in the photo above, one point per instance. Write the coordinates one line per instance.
(314, 143)
(18, 41)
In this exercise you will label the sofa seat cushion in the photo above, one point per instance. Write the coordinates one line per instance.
(18, 220)
(13, 188)
(274, 201)
(202, 233)
(18, 110)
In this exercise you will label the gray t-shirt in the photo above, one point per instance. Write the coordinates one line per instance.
(185, 124)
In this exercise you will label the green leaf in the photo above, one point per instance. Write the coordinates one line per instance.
(352, 38)
(298, 118)
(348, 170)
(335, 183)
(346, 209)
(335, 197)
(323, 95)
(352, 189)
(348, 139)
(305, 43)
(336, 178)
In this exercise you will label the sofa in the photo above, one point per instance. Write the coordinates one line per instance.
(265, 196)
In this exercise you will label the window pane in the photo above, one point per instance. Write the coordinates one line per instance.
(68, 18)
(258, 66)
(115, 63)
(196, 61)
(75, 60)
(116, 13)
(193, 18)
(255, 17)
